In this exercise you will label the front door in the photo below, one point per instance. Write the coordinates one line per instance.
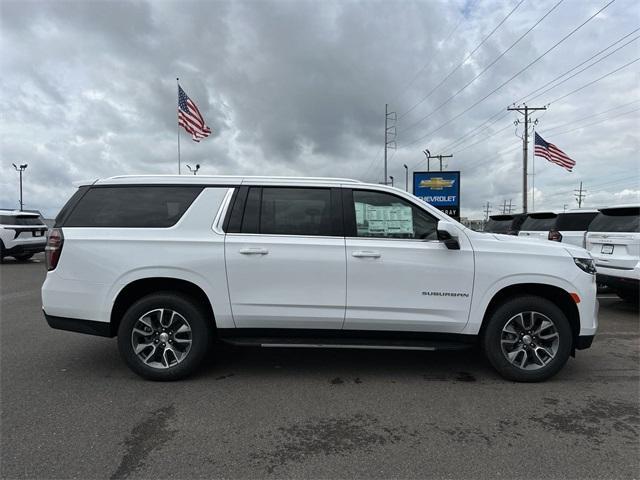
(286, 260)
(399, 276)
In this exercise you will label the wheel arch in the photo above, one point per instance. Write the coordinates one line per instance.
(139, 288)
(560, 297)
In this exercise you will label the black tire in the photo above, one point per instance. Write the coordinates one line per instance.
(491, 340)
(629, 295)
(1, 252)
(24, 257)
(201, 335)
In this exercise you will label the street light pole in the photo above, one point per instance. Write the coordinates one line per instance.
(20, 169)
(194, 170)
(406, 177)
(391, 177)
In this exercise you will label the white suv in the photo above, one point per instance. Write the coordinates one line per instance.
(168, 263)
(613, 240)
(22, 234)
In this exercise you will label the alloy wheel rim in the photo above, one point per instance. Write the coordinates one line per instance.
(530, 340)
(161, 338)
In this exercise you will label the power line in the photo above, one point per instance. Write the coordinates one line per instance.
(596, 123)
(512, 77)
(485, 68)
(417, 74)
(484, 139)
(579, 65)
(562, 125)
(580, 71)
(460, 64)
(594, 81)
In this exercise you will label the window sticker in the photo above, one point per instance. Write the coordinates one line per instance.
(387, 220)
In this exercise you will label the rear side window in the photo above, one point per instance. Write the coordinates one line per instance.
(132, 206)
(539, 222)
(20, 220)
(574, 222)
(616, 220)
(292, 211)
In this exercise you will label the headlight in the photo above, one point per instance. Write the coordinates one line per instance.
(586, 265)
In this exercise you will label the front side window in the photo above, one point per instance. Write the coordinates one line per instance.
(382, 215)
(294, 211)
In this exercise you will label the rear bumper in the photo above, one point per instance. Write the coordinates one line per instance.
(90, 327)
(618, 282)
(26, 248)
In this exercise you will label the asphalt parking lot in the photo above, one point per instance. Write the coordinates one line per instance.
(72, 409)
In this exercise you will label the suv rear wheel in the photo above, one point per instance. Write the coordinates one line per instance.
(527, 339)
(164, 336)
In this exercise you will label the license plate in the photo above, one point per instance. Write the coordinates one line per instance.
(608, 249)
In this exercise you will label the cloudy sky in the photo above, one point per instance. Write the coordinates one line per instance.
(299, 88)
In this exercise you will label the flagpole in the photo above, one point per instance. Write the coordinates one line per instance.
(533, 178)
(178, 83)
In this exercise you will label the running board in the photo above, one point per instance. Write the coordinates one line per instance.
(347, 343)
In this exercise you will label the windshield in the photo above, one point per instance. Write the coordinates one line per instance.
(617, 220)
(575, 221)
(498, 226)
(544, 222)
(20, 220)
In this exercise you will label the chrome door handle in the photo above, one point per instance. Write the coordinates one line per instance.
(366, 254)
(254, 251)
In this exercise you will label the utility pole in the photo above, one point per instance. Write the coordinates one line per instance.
(389, 132)
(580, 194)
(510, 206)
(439, 157)
(487, 211)
(504, 207)
(20, 169)
(406, 177)
(564, 208)
(525, 141)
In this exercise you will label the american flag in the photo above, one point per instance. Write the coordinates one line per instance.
(190, 117)
(552, 153)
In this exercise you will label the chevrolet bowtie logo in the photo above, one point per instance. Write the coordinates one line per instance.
(437, 183)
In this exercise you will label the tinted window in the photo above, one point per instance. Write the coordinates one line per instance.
(498, 225)
(291, 211)
(383, 215)
(574, 222)
(544, 222)
(20, 220)
(617, 220)
(132, 206)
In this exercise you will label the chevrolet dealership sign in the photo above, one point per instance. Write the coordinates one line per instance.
(440, 189)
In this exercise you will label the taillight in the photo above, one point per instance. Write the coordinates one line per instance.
(555, 236)
(54, 248)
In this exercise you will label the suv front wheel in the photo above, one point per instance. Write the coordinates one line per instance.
(527, 339)
(164, 336)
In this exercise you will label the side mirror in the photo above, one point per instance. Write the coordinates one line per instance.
(448, 234)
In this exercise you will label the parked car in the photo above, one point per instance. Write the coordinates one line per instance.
(613, 240)
(167, 263)
(508, 224)
(537, 225)
(571, 226)
(22, 234)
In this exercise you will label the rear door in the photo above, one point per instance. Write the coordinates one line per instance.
(399, 276)
(285, 258)
(614, 238)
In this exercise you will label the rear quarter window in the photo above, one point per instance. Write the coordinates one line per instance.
(616, 220)
(132, 206)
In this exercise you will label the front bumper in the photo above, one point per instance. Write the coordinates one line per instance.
(25, 249)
